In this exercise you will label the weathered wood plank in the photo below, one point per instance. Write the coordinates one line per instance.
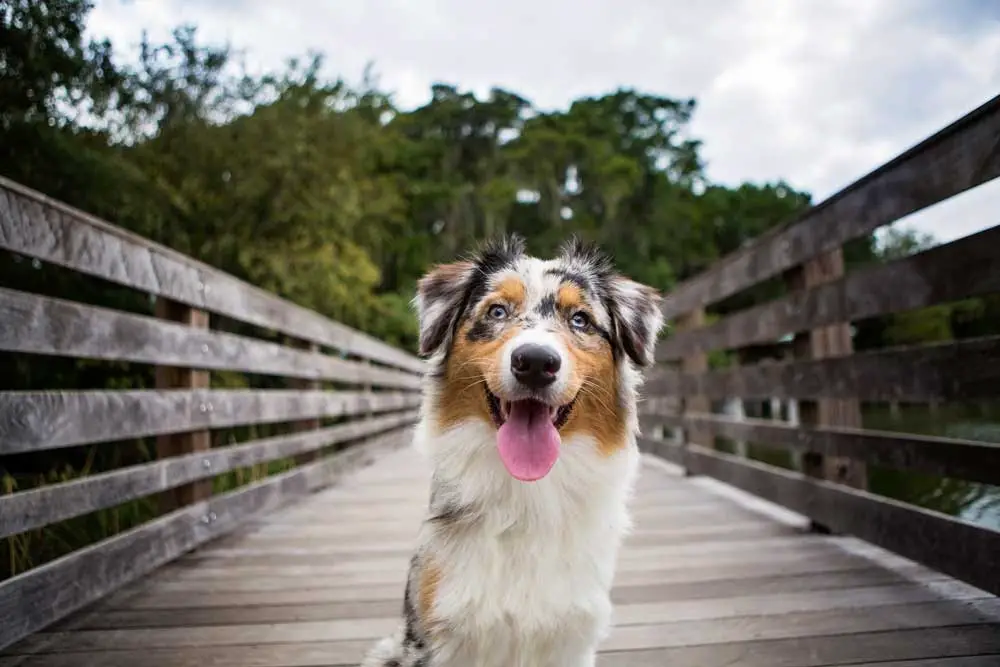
(623, 638)
(169, 445)
(43, 325)
(45, 505)
(665, 449)
(33, 421)
(33, 600)
(774, 604)
(909, 644)
(945, 457)
(958, 158)
(37, 226)
(804, 625)
(967, 369)
(950, 272)
(952, 546)
(850, 649)
(313, 423)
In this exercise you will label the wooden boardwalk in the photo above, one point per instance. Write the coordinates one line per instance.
(709, 578)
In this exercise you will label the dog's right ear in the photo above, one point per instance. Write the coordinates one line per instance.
(439, 302)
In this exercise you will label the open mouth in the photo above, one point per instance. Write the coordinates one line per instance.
(528, 439)
(500, 409)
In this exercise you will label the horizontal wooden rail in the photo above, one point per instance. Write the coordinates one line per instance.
(826, 378)
(957, 548)
(42, 325)
(966, 369)
(40, 507)
(944, 457)
(960, 157)
(35, 225)
(33, 600)
(34, 421)
(951, 272)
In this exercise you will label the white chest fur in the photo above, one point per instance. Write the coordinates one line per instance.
(524, 580)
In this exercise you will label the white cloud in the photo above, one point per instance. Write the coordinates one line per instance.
(817, 93)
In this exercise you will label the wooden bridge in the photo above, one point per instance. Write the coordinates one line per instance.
(733, 562)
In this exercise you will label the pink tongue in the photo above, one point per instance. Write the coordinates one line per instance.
(528, 441)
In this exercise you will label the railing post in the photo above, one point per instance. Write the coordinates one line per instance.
(824, 342)
(170, 377)
(306, 385)
(695, 364)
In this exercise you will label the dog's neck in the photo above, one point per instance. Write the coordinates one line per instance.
(470, 486)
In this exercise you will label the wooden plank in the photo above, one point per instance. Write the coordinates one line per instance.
(952, 546)
(628, 638)
(727, 554)
(34, 421)
(43, 325)
(320, 654)
(955, 159)
(323, 573)
(31, 601)
(313, 423)
(946, 273)
(943, 457)
(694, 364)
(169, 445)
(721, 589)
(784, 604)
(775, 604)
(111, 619)
(825, 342)
(37, 226)
(959, 370)
(663, 448)
(48, 504)
(856, 648)
(849, 649)
(804, 625)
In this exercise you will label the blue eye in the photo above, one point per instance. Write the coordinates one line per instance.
(580, 320)
(497, 311)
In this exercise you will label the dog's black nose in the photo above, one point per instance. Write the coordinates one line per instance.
(535, 365)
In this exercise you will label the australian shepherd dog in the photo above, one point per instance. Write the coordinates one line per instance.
(529, 423)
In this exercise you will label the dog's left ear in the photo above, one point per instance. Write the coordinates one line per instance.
(638, 319)
(439, 302)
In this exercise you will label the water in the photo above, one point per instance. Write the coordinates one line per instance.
(972, 501)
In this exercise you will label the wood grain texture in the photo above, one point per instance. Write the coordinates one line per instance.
(961, 370)
(37, 226)
(960, 549)
(48, 504)
(945, 273)
(43, 325)
(34, 421)
(958, 158)
(320, 594)
(944, 457)
(169, 445)
(38, 597)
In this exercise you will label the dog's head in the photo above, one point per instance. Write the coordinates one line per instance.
(540, 350)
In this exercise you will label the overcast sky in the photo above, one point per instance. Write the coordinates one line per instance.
(817, 92)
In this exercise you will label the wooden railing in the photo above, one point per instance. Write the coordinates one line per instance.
(181, 412)
(826, 379)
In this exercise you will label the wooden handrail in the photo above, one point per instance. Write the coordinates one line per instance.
(372, 395)
(818, 369)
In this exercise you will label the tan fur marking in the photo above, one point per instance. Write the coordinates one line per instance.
(446, 273)
(569, 297)
(430, 578)
(472, 366)
(598, 410)
(511, 290)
